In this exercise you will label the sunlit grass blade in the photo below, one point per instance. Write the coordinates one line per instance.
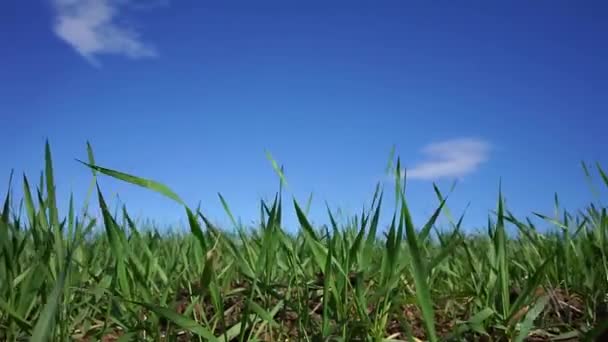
(278, 170)
(308, 204)
(142, 182)
(228, 211)
(91, 158)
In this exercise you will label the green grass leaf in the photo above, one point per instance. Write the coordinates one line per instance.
(423, 293)
(142, 182)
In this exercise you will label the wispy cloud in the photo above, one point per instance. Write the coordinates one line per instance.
(92, 27)
(454, 158)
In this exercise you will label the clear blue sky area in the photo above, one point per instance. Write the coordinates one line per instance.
(192, 94)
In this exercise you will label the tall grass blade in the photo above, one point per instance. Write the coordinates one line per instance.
(423, 293)
(142, 182)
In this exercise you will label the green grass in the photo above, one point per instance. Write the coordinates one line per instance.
(347, 281)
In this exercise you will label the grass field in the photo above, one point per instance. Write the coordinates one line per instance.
(347, 281)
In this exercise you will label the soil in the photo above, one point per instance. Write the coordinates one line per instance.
(564, 313)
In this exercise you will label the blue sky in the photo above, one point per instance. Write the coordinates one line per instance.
(193, 93)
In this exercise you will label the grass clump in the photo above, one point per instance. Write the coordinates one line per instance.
(341, 282)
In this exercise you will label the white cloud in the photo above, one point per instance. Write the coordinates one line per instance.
(450, 159)
(91, 28)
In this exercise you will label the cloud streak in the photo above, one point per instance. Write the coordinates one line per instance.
(454, 158)
(92, 28)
